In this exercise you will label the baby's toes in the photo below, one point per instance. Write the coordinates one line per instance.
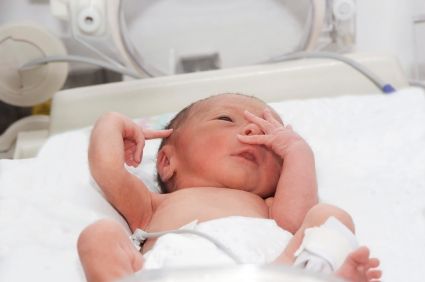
(374, 263)
(374, 274)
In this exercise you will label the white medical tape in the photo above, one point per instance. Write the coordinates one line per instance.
(328, 244)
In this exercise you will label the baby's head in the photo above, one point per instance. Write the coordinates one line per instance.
(204, 151)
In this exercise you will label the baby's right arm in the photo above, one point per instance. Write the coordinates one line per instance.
(116, 140)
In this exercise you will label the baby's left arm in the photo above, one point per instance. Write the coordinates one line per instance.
(296, 192)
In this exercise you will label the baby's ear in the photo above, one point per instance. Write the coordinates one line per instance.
(165, 163)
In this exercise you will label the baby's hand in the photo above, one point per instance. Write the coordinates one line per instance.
(280, 138)
(134, 142)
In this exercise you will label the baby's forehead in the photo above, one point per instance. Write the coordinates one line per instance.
(233, 102)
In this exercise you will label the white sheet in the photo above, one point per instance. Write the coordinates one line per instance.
(370, 153)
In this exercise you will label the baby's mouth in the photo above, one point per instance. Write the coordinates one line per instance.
(248, 156)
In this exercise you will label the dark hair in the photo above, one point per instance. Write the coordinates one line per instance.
(174, 123)
(178, 120)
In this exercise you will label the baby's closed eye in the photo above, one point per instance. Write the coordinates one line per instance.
(225, 118)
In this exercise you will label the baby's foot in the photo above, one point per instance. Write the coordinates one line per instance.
(359, 267)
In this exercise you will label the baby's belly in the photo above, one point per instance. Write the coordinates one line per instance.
(204, 204)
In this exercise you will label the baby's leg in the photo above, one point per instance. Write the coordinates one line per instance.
(357, 267)
(316, 216)
(107, 253)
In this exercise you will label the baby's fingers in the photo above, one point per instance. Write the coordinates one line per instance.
(152, 134)
(133, 151)
(265, 125)
(270, 118)
(254, 139)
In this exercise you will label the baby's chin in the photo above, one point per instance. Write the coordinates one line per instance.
(263, 191)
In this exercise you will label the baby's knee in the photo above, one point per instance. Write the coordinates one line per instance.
(99, 233)
(318, 215)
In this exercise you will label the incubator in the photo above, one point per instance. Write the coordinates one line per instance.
(173, 36)
(141, 39)
(170, 53)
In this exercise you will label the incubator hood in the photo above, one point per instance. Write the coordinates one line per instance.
(154, 37)
(163, 37)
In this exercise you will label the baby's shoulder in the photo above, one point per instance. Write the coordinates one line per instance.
(158, 198)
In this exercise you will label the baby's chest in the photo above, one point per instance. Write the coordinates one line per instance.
(180, 209)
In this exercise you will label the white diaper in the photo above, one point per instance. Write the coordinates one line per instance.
(251, 240)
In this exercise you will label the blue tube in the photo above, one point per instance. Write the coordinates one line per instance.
(388, 89)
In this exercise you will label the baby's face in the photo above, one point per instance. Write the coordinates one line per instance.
(210, 155)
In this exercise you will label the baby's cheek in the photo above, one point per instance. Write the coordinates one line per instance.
(278, 161)
(277, 169)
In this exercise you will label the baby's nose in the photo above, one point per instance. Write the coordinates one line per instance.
(251, 129)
